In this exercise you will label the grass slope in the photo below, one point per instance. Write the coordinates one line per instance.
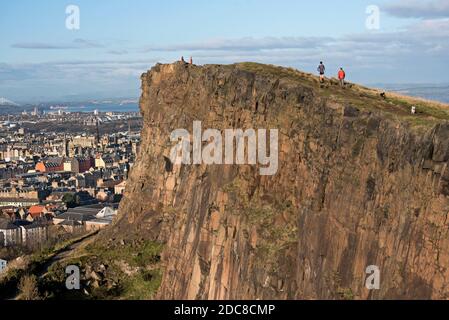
(394, 106)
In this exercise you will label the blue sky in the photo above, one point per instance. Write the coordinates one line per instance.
(40, 59)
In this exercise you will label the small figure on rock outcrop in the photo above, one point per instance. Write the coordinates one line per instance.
(191, 60)
(383, 95)
(182, 59)
(321, 69)
(341, 77)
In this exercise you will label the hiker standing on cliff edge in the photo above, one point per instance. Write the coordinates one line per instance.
(341, 77)
(321, 69)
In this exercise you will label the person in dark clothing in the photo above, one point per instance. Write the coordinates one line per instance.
(321, 69)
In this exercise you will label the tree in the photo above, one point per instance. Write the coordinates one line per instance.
(117, 198)
(28, 288)
(70, 200)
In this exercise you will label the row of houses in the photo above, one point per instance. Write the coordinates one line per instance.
(22, 232)
(33, 213)
(79, 219)
(77, 164)
(60, 164)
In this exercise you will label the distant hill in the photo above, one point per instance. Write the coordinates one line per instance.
(6, 102)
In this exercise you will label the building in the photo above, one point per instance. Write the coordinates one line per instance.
(97, 224)
(85, 164)
(10, 213)
(120, 188)
(3, 265)
(104, 162)
(25, 193)
(17, 202)
(78, 214)
(78, 164)
(36, 212)
(50, 165)
(92, 217)
(71, 165)
(10, 234)
(84, 142)
(72, 226)
(102, 219)
(22, 232)
(33, 233)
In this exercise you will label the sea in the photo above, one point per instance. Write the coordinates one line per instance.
(429, 92)
(129, 107)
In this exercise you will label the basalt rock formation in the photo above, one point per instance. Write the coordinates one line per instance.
(358, 184)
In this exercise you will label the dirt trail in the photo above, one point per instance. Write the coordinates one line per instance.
(66, 253)
(59, 255)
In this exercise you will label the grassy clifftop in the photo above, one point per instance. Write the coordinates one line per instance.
(395, 106)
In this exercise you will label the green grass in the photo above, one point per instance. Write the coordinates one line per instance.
(135, 255)
(142, 286)
(345, 293)
(278, 72)
(140, 282)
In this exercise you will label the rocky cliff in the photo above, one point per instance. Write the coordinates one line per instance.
(359, 183)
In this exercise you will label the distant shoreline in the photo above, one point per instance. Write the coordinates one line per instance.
(81, 107)
(427, 92)
(132, 107)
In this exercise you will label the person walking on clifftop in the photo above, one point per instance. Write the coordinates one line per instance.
(321, 69)
(341, 77)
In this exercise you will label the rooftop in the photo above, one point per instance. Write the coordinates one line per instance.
(85, 213)
(7, 225)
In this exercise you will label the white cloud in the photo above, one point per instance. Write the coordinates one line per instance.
(118, 52)
(247, 44)
(421, 48)
(419, 9)
(53, 80)
(75, 44)
(421, 37)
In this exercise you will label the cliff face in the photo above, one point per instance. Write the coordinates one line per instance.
(354, 188)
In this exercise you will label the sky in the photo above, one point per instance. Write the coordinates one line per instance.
(42, 58)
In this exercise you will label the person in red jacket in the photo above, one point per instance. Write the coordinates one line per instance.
(341, 77)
